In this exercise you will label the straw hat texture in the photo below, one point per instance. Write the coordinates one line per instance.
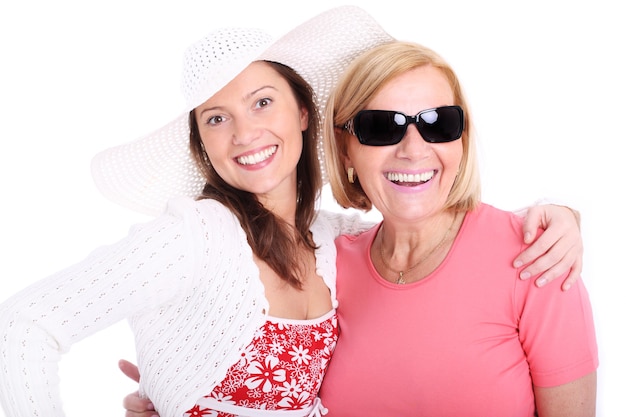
(145, 173)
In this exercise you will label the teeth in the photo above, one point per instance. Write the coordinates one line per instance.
(257, 157)
(413, 178)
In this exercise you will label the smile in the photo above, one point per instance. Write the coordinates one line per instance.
(258, 157)
(409, 179)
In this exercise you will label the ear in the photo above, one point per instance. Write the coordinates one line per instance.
(343, 152)
(304, 118)
(347, 162)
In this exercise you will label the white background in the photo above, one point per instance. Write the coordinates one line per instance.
(545, 80)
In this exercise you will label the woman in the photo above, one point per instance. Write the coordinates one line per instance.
(433, 320)
(237, 275)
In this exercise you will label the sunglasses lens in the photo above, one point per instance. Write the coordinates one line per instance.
(384, 127)
(443, 124)
(379, 127)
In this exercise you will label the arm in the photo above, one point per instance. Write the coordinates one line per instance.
(557, 334)
(558, 250)
(133, 403)
(43, 321)
(574, 399)
(346, 223)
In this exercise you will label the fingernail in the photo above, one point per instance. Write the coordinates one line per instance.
(541, 282)
(566, 287)
(524, 275)
(517, 263)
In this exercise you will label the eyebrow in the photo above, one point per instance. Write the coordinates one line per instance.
(245, 97)
(260, 89)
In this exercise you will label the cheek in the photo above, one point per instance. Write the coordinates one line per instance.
(214, 149)
(451, 155)
(369, 158)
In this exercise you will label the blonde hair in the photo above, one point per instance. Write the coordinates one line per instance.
(363, 79)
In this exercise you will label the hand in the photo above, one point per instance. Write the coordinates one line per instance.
(558, 250)
(133, 403)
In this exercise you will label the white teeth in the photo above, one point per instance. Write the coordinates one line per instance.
(413, 178)
(257, 157)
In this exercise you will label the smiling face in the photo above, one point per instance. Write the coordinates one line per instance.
(252, 132)
(412, 179)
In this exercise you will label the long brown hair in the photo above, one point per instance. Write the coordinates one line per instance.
(272, 239)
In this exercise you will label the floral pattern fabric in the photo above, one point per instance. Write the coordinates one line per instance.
(281, 369)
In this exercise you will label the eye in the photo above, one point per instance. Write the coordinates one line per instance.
(215, 120)
(264, 102)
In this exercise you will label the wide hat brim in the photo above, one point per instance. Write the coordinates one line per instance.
(144, 174)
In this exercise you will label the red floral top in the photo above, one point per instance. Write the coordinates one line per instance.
(281, 369)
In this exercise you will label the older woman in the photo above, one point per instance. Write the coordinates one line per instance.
(433, 320)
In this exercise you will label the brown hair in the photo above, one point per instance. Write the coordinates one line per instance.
(271, 238)
(363, 79)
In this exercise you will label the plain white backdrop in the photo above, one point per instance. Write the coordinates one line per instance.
(545, 81)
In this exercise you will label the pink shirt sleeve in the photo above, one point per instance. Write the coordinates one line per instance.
(557, 333)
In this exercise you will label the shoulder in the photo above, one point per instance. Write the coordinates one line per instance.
(490, 231)
(184, 207)
(486, 211)
(359, 241)
(347, 222)
(205, 214)
(206, 227)
(489, 218)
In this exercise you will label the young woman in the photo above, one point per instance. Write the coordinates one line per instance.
(236, 275)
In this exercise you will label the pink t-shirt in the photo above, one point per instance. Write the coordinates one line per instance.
(470, 339)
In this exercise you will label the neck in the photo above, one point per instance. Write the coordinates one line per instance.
(417, 251)
(283, 206)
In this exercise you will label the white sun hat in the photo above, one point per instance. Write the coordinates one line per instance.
(144, 174)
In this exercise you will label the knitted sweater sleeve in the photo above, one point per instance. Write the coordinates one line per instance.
(149, 267)
(346, 224)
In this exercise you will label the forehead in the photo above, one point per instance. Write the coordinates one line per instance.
(255, 76)
(414, 90)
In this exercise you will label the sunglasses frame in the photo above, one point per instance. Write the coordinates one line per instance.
(350, 126)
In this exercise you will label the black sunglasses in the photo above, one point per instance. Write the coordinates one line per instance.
(387, 127)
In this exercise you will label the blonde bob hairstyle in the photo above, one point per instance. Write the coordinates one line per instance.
(362, 80)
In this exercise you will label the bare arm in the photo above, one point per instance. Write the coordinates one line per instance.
(574, 399)
(557, 251)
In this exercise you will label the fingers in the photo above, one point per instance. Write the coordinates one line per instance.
(133, 403)
(533, 220)
(573, 276)
(129, 369)
(138, 407)
(552, 256)
(555, 253)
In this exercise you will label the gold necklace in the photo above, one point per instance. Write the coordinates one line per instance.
(400, 279)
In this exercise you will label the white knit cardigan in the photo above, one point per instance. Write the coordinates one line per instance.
(188, 285)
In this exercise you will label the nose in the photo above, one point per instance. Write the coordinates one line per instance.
(245, 131)
(412, 144)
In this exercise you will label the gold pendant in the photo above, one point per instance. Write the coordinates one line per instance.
(400, 279)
